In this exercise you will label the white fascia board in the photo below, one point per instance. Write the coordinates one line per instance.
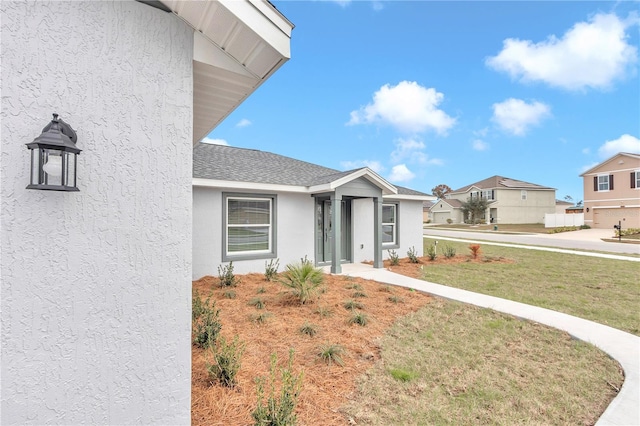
(408, 197)
(208, 53)
(250, 186)
(269, 24)
(371, 176)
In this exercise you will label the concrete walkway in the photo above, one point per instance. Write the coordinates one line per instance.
(621, 346)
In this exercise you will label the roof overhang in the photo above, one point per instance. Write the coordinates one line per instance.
(368, 174)
(409, 197)
(237, 46)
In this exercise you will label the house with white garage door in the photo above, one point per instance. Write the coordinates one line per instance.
(612, 192)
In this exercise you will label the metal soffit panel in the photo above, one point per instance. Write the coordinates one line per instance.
(218, 91)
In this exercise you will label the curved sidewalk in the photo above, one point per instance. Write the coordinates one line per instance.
(621, 346)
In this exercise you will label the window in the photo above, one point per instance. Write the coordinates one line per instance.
(248, 226)
(523, 194)
(390, 224)
(635, 179)
(603, 183)
(487, 194)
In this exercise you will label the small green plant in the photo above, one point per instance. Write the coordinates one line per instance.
(354, 287)
(229, 294)
(432, 252)
(395, 299)
(303, 280)
(359, 318)
(359, 294)
(352, 304)
(394, 260)
(449, 251)
(261, 318)
(257, 302)
(309, 329)
(278, 411)
(271, 269)
(331, 354)
(449, 221)
(475, 250)
(261, 290)
(386, 289)
(413, 255)
(323, 311)
(206, 328)
(227, 361)
(198, 307)
(227, 278)
(402, 375)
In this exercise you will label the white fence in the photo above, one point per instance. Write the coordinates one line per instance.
(557, 220)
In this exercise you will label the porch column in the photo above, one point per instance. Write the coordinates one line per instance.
(377, 232)
(336, 233)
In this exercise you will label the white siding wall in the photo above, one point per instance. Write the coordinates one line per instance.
(295, 232)
(96, 285)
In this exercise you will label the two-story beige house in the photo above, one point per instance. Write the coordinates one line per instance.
(612, 192)
(510, 201)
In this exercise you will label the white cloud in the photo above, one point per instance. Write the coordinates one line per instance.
(408, 107)
(376, 166)
(480, 145)
(625, 143)
(377, 5)
(244, 123)
(515, 116)
(411, 150)
(401, 173)
(586, 151)
(591, 54)
(214, 141)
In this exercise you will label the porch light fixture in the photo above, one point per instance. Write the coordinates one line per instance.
(54, 158)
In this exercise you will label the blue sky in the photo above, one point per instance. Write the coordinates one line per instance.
(429, 93)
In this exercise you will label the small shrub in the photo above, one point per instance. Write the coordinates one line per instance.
(278, 411)
(449, 221)
(359, 294)
(257, 302)
(331, 354)
(261, 318)
(475, 250)
(323, 311)
(261, 290)
(393, 258)
(359, 318)
(227, 360)
(206, 329)
(309, 329)
(229, 294)
(402, 375)
(271, 269)
(197, 306)
(395, 299)
(585, 226)
(449, 251)
(386, 289)
(412, 255)
(227, 278)
(354, 287)
(352, 304)
(432, 252)
(303, 279)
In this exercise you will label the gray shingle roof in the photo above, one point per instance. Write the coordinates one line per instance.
(498, 182)
(221, 162)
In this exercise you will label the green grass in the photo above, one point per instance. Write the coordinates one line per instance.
(598, 289)
(454, 364)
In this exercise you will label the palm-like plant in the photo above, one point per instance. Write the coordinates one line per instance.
(303, 279)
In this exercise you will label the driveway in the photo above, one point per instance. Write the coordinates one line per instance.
(584, 239)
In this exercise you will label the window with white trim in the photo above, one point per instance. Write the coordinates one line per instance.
(603, 182)
(635, 179)
(390, 224)
(487, 194)
(248, 226)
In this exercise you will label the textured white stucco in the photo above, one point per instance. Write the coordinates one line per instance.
(95, 285)
(294, 231)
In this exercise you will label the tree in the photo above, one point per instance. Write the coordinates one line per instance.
(568, 198)
(474, 208)
(441, 191)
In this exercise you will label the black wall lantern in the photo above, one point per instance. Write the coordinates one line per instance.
(54, 157)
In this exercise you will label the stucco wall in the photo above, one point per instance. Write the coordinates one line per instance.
(362, 229)
(513, 209)
(294, 231)
(410, 226)
(96, 284)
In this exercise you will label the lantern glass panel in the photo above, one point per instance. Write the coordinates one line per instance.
(52, 167)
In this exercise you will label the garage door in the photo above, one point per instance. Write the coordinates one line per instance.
(440, 217)
(606, 218)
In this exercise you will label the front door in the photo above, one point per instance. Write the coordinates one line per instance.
(324, 234)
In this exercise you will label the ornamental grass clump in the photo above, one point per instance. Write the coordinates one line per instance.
(303, 280)
(331, 354)
(271, 269)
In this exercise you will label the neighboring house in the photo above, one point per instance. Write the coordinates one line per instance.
(612, 192)
(562, 206)
(426, 211)
(96, 284)
(251, 207)
(510, 201)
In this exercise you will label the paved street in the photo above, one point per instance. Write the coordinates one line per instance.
(585, 239)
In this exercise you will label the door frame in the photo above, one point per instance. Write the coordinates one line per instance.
(322, 233)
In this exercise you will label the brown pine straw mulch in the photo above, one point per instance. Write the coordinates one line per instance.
(325, 388)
